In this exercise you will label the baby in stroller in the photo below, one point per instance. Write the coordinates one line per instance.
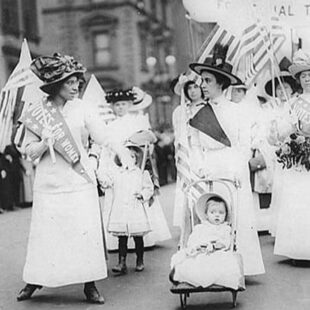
(208, 258)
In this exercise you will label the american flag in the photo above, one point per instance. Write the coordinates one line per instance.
(248, 54)
(182, 156)
(257, 48)
(12, 95)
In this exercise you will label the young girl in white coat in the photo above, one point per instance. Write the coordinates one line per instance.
(132, 188)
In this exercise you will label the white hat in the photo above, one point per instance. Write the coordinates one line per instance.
(200, 207)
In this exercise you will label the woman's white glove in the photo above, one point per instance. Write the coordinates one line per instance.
(47, 136)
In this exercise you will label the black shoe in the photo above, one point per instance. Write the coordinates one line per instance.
(92, 294)
(27, 291)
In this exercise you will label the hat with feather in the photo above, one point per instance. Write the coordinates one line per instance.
(217, 63)
(56, 68)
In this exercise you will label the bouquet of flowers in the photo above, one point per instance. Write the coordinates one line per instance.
(295, 152)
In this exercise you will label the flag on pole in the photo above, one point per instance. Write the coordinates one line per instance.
(12, 96)
(258, 47)
(250, 51)
(95, 95)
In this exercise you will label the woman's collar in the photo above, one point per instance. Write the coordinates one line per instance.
(218, 100)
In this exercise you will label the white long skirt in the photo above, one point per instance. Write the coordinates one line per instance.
(159, 225)
(66, 242)
(276, 198)
(293, 225)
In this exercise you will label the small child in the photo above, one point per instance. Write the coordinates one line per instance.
(132, 189)
(206, 259)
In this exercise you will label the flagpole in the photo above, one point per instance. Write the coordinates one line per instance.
(191, 37)
(273, 59)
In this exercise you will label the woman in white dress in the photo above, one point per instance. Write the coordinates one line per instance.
(294, 215)
(220, 148)
(65, 244)
(280, 110)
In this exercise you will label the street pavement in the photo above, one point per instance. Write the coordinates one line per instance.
(283, 287)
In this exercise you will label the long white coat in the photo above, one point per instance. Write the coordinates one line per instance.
(66, 239)
(230, 162)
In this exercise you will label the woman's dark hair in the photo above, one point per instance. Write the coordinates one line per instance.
(221, 79)
(186, 87)
(54, 88)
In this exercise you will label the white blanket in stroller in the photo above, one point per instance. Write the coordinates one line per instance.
(199, 266)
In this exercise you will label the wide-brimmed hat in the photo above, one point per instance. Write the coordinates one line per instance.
(217, 64)
(56, 68)
(284, 76)
(301, 62)
(120, 95)
(200, 206)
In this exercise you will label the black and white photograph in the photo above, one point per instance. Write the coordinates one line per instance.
(155, 154)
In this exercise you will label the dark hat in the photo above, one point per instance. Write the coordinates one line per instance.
(53, 69)
(217, 64)
(120, 95)
(284, 76)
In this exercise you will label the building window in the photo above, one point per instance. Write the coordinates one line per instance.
(10, 19)
(30, 25)
(102, 49)
(154, 7)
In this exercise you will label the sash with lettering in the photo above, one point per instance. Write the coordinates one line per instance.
(64, 144)
(206, 121)
(301, 109)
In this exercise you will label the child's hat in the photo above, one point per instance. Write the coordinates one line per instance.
(200, 207)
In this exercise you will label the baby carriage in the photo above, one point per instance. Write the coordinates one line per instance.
(205, 189)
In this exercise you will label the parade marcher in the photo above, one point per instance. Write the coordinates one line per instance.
(132, 188)
(220, 148)
(281, 107)
(127, 105)
(6, 191)
(65, 244)
(292, 226)
(194, 102)
(260, 164)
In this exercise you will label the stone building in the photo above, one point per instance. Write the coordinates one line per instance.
(123, 43)
(18, 19)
